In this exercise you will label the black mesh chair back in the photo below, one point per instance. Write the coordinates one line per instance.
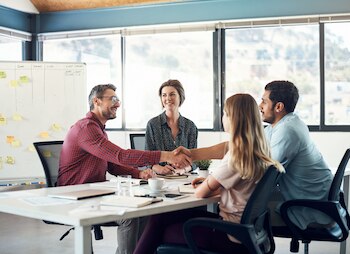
(256, 211)
(257, 203)
(49, 154)
(338, 177)
(137, 141)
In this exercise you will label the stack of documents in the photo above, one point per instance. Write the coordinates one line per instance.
(126, 201)
(186, 188)
(82, 194)
(113, 183)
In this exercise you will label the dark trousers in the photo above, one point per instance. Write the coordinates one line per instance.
(167, 228)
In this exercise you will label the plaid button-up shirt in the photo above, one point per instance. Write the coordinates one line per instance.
(87, 154)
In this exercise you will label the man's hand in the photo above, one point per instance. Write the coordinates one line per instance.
(145, 174)
(178, 158)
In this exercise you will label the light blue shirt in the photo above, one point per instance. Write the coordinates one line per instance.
(307, 174)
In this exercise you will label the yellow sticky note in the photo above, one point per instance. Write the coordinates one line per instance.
(44, 134)
(10, 160)
(10, 139)
(0, 162)
(16, 143)
(56, 127)
(17, 117)
(31, 148)
(47, 153)
(14, 83)
(2, 74)
(24, 79)
(2, 120)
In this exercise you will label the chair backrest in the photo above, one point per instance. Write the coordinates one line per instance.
(137, 141)
(257, 213)
(49, 154)
(333, 194)
(258, 201)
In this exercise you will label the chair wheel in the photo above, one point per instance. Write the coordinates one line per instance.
(294, 245)
(98, 232)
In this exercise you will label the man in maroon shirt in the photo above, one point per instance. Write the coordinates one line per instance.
(87, 155)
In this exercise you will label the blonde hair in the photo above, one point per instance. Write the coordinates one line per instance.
(248, 148)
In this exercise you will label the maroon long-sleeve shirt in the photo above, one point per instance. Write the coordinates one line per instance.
(87, 154)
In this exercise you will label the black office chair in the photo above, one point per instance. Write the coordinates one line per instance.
(49, 154)
(254, 230)
(334, 207)
(137, 141)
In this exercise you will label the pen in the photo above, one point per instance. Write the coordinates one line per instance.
(199, 182)
(187, 183)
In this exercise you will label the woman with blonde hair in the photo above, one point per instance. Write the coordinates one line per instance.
(245, 160)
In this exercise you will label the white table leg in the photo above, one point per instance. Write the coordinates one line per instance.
(343, 245)
(82, 240)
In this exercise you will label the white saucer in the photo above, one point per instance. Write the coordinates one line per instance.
(155, 191)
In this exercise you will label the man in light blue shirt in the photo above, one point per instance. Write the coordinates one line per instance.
(307, 174)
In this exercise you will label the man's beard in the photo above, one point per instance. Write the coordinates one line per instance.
(109, 115)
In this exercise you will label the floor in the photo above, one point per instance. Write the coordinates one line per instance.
(35, 237)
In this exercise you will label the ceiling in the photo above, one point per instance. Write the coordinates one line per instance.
(64, 5)
(37, 6)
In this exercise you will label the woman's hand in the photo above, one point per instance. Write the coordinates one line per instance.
(163, 170)
(210, 187)
(197, 181)
(145, 174)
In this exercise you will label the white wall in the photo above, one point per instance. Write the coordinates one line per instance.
(331, 144)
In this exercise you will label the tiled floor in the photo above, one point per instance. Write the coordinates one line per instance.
(29, 236)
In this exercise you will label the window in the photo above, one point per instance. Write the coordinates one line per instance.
(337, 74)
(254, 56)
(151, 60)
(257, 56)
(102, 57)
(10, 49)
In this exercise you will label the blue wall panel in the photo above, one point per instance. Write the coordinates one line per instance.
(190, 11)
(167, 13)
(15, 19)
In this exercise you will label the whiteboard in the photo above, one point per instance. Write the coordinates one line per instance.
(39, 101)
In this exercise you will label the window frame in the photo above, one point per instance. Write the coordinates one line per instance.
(219, 67)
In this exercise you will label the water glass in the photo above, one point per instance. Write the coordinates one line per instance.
(124, 186)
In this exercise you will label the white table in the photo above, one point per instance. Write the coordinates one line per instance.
(15, 204)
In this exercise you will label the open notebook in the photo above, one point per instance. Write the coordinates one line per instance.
(126, 201)
(82, 194)
(186, 188)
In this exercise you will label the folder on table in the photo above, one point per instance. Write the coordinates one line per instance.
(186, 188)
(126, 201)
(82, 194)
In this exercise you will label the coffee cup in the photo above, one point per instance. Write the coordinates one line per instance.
(155, 184)
(203, 173)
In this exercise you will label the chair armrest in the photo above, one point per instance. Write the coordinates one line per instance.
(243, 232)
(331, 208)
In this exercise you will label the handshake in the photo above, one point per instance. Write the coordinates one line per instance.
(182, 157)
(178, 158)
